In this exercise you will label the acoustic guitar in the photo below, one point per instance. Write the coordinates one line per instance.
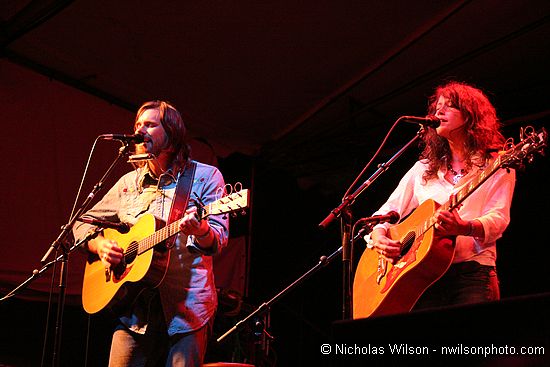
(381, 288)
(141, 268)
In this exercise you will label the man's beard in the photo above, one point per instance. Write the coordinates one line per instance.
(155, 150)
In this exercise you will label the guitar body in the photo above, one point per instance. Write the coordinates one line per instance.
(146, 257)
(123, 284)
(380, 288)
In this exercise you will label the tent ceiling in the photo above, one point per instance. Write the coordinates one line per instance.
(305, 84)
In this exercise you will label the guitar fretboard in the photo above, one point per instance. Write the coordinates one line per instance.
(465, 191)
(513, 157)
(161, 235)
(227, 204)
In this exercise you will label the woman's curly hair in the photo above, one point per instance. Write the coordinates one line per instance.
(483, 134)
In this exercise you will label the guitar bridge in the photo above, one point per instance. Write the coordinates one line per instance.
(382, 268)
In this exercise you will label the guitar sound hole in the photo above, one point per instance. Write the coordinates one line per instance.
(128, 258)
(131, 253)
(407, 243)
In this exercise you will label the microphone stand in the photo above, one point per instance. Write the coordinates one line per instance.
(264, 307)
(343, 210)
(61, 242)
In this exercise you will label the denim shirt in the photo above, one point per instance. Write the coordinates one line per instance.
(187, 292)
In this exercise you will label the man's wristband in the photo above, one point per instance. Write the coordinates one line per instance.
(470, 228)
(201, 237)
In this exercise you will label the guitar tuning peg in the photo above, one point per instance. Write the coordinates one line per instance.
(243, 212)
(233, 215)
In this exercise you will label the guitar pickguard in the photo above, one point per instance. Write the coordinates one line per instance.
(403, 263)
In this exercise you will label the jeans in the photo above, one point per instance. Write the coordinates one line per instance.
(156, 349)
(463, 283)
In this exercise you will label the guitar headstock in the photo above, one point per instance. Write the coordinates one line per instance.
(231, 203)
(524, 152)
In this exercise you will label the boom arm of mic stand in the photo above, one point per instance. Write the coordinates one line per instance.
(64, 233)
(36, 273)
(348, 200)
(97, 187)
(323, 261)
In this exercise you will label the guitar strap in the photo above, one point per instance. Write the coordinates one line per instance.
(181, 196)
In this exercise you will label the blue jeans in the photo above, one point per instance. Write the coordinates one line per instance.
(156, 348)
(463, 283)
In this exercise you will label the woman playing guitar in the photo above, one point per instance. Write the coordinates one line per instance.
(454, 153)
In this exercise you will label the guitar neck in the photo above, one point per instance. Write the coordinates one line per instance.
(477, 181)
(532, 142)
(164, 233)
(227, 204)
(157, 237)
(463, 193)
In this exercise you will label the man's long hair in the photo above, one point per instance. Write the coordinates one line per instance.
(482, 126)
(172, 123)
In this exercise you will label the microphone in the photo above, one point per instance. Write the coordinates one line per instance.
(121, 227)
(367, 222)
(136, 138)
(430, 120)
(392, 217)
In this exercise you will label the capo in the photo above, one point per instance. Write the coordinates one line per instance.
(200, 206)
